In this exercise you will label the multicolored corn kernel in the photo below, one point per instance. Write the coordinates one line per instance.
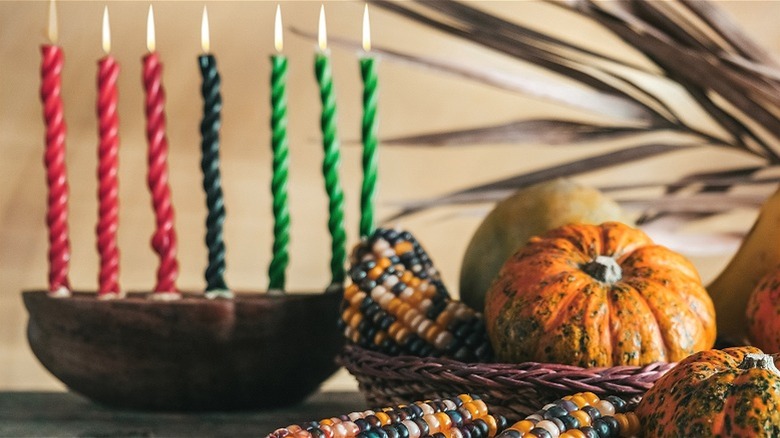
(422, 419)
(581, 415)
(397, 304)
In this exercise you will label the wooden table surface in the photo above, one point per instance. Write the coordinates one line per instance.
(65, 414)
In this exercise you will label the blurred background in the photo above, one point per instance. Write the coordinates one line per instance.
(412, 101)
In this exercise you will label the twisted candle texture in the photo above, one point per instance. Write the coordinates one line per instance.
(164, 239)
(369, 134)
(56, 175)
(281, 160)
(330, 168)
(108, 189)
(212, 181)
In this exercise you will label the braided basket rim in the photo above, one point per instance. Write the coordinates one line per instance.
(514, 390)
(624, 379)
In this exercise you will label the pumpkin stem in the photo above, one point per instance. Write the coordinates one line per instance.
(604, 269)
(759, 360)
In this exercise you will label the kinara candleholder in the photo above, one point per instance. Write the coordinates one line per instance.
(164, 349)
(170, 351)
(191, 354)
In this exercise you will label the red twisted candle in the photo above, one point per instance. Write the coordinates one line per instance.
(164, 239)
(108, 164)
(54, 159)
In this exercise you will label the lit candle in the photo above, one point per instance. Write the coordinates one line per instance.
(164, 238)
(369, 132)
(281, 162)
(54, 159)
(108, 164)
(331, 161)
(212, 180)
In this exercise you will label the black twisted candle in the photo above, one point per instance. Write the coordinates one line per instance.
(212, 181)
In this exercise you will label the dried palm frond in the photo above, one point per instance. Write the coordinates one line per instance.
(690, 43)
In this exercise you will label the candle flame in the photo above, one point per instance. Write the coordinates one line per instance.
(205, 37)
(150, 43)
(106, 32)
(322, 35)
(52, 30)
(366, 30)
(278, 37)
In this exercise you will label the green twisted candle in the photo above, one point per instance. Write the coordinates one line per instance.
(330, 169)
(369, 134)
(281, 162)
(212, 182)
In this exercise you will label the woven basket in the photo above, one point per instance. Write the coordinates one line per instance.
(513, 390)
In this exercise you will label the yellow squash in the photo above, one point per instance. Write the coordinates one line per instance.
(757, 256)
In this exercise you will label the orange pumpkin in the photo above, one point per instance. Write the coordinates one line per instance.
(731, 392)
(763, 313)
(598, 295)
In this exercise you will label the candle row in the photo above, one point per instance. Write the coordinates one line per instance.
(164, 238)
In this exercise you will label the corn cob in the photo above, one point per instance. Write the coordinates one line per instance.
(397, 304)
(464, 416)
(581, 415)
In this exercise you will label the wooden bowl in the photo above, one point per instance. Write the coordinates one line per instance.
(192, 354)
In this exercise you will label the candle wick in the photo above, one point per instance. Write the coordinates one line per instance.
(278, 36)
(366, 31)
(106, 32)
(150, 36)
(322, 36)
(52, 31)
(205, 36)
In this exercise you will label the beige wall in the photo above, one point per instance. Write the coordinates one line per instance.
(412, 100)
